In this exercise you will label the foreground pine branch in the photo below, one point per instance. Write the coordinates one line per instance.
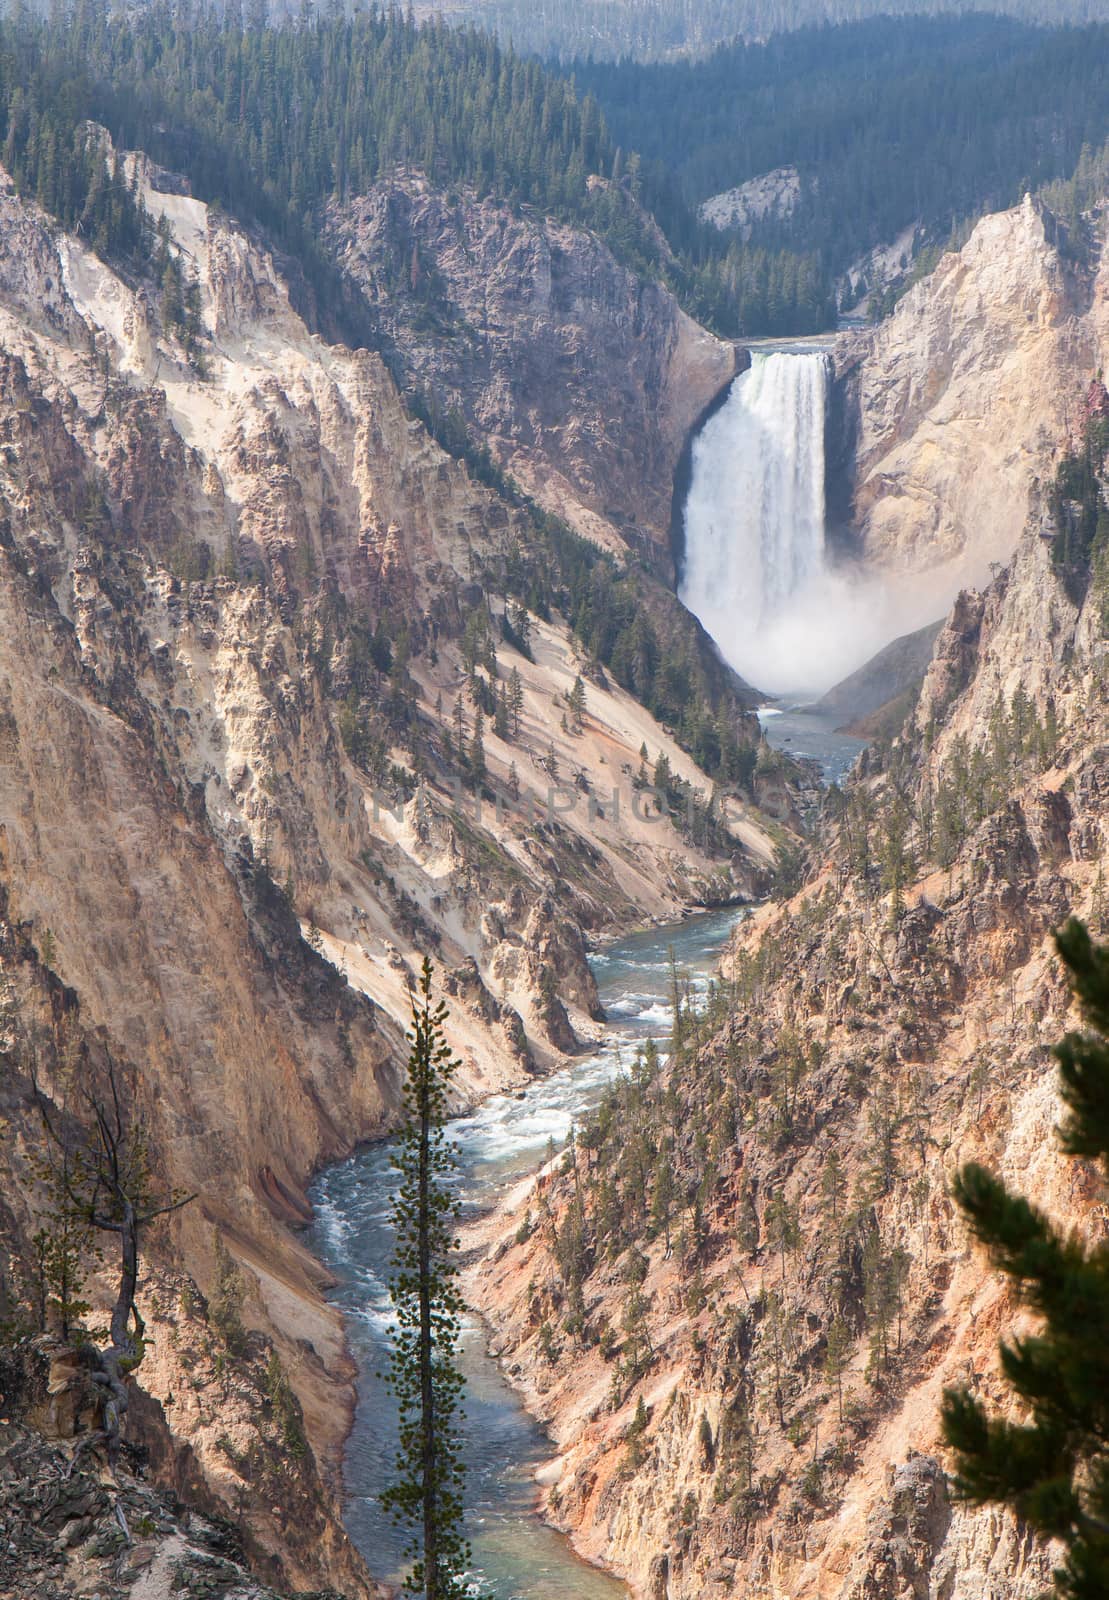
(1053, 1468)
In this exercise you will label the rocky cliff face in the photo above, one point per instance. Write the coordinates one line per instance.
(257, 636)
(959, 401)
(546, 346)
(239, 706)
(742, 1299)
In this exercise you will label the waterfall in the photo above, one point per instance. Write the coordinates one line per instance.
(755, 571)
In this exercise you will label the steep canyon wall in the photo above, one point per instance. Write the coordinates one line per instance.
(236, 578)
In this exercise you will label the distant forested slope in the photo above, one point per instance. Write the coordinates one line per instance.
(888, 121)
(274, 121)
(660, 29)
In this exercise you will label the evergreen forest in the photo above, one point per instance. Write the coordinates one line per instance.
(888, 121)
(273, 122)
(610, 30)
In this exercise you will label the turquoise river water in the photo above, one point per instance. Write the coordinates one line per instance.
(516, 1555)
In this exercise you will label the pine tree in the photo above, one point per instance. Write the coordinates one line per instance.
(836, 1355)
(633, 1434)
(61, 1249)
(459, 721)
(515, 700)
(833, 1187)
(575, 702)
(477, 753)
(662, 1196)
(423, 1375)
(1053, 1468)
(783, 1230)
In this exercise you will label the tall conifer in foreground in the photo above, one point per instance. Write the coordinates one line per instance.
(1053, 1468)
(427, 1492)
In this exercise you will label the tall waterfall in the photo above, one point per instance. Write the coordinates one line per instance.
(754, 569)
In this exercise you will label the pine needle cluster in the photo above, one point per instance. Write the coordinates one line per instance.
(1052, 1468)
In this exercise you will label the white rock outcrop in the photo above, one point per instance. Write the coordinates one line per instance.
(961, 400)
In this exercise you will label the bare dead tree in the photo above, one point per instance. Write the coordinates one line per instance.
(108, 1183)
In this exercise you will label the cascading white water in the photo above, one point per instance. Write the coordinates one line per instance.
(755, 571)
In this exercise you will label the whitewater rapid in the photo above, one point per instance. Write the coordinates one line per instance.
(516, 1555)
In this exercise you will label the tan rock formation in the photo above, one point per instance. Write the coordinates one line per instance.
(200, 868)
(961, 399)
(548, 346)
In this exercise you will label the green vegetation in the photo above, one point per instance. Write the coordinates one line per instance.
(285, 1408)
(62, 1249)
(893, 827)
(1087, 186)
(1080, 548)
(427, 1491)
(54, 158)
(1051, 1469)
(612, 30)
(273, 123)
(609, 608)
(686, 1156)
(890, 122)
(225, 1308)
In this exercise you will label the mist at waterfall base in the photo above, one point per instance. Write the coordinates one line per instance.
(756, 570)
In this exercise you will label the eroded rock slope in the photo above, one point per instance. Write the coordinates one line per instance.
(958, 403)
(276, 718)
(738, 1302)
(547, 347)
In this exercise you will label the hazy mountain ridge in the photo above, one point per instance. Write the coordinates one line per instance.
(661, 29)
(893, 124)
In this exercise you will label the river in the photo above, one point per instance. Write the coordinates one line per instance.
(800, 732)
(516, 1556)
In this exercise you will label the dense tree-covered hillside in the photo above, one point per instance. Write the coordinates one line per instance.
(888, 122)
(656, 29)
(273, 122)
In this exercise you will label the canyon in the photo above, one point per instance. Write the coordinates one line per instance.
(758, 1236)
(258, 629)
(220, 858)
(881, 1050)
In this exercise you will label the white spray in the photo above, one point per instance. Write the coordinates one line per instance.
(755, 569)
